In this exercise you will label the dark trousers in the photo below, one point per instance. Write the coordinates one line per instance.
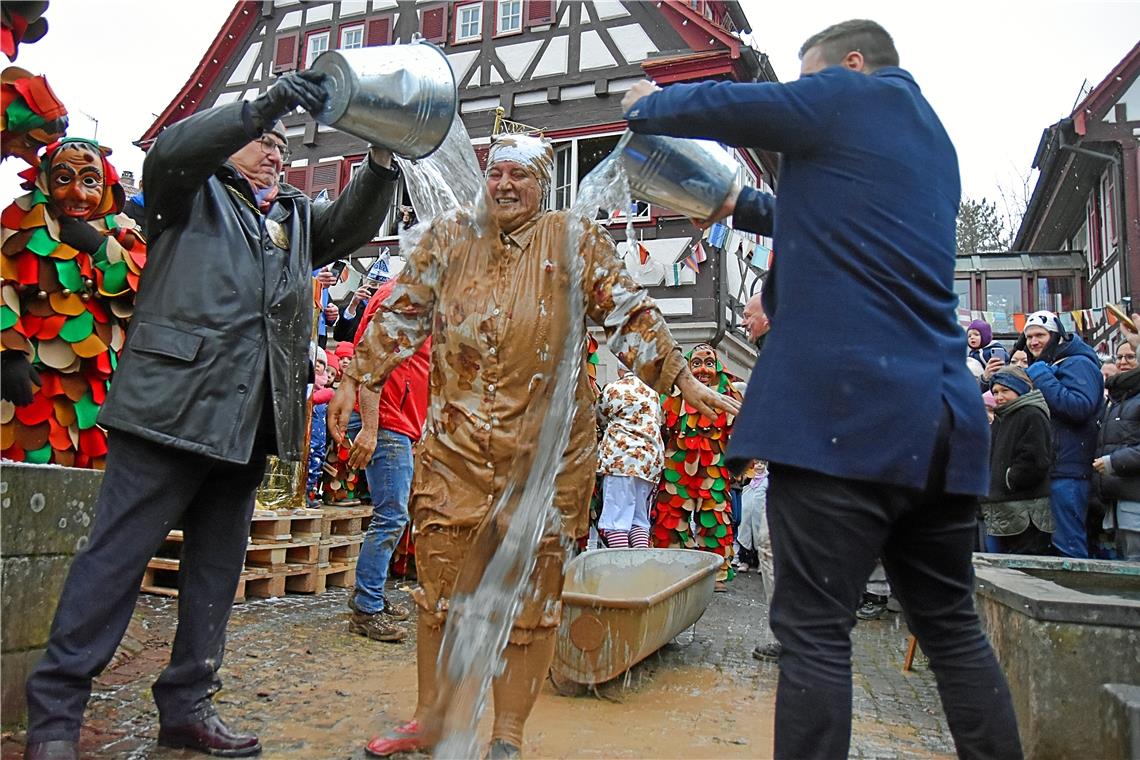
(827, 533)
(147, 489)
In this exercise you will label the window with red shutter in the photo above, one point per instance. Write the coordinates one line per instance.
(325, 176)
(433, 24)
(285, 55)
(298, 177)
(539, 12)
(379, 31)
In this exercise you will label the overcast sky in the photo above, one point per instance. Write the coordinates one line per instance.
(997, 72)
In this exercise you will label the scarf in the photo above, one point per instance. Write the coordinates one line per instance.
(1033, 398)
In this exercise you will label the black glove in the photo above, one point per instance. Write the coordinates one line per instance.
(301, 89)
(79, 234)
(17, 376)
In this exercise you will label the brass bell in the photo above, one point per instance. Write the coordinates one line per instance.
(85, 296)
(67, 291)
(41, 295)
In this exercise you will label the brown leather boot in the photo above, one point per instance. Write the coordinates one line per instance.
(377, 627)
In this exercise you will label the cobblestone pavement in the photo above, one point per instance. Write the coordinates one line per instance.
(312, 690)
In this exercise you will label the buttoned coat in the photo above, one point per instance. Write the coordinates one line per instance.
(863, 227)
(224, 315)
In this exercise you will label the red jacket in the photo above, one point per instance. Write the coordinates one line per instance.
(403, 400)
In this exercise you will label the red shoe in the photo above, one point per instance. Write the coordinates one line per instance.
(405, 738)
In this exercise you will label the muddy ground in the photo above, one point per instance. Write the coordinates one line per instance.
(296, 676)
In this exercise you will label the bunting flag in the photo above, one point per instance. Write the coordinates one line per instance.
(717, 234)
(692, 263)
(1019, 322)
(699, 251)
(642, 253)
(1081, 320)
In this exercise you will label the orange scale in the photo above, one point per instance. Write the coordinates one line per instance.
(29, 325)
(93, 442)
(12, 216)
(89, 347)
(133, 280)
(58, 437)
(70, 304)
(98, 391)
(98, 311)
(65, 252)
(50, 327)
(136, 255)
(50, 385)
(64, 413)
(27, 267)
(36, 412)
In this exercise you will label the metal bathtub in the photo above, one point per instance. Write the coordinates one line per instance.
(621, 605)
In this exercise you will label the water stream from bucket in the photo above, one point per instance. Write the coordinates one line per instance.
(485, 604)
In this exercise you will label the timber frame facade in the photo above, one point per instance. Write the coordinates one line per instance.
(1087, 197)
(559, 67)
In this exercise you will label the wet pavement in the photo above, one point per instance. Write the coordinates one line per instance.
(296, 676)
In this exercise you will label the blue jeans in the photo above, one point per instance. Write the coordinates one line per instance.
(389, 476)
(1070, 502)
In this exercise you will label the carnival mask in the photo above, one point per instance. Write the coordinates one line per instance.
(76, 181)
(704, 365)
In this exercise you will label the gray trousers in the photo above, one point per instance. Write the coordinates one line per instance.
(148, 489)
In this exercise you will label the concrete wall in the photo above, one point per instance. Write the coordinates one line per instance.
(1057, 667)
(45, 515)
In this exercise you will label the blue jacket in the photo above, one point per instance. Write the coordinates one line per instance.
(863, 231)
(1073, 388)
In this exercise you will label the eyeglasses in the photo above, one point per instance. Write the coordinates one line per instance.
(268, 144)
(1126, 357)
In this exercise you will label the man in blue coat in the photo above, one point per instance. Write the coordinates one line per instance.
(884, 451)
(1067, 372)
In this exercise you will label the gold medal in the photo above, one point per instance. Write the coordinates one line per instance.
(277, 234)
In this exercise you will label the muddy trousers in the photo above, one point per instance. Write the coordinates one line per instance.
(515, 690)
(147, 490)
(827, 533)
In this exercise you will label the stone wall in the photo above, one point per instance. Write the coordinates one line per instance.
(45, 515)
(1058, 648)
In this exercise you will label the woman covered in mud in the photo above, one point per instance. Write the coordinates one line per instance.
(490, 292)
(694, 509)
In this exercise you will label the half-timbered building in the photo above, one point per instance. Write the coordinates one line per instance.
(558, 67)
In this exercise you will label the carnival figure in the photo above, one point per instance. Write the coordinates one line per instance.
(694, 507)
(71, 265)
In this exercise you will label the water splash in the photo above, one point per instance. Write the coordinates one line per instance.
(480, 620)
(487, 599)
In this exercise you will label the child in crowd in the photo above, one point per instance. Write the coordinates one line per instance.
(1017, 513)
(320, 395)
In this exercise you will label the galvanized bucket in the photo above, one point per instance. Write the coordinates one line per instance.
(402, 97)
(691, 177)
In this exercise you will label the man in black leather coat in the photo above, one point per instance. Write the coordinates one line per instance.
(211, 381)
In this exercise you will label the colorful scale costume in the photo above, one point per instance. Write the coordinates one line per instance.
(695, 484)
(67, 310)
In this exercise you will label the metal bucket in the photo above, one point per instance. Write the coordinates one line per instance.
(691, 177)
(402, 97)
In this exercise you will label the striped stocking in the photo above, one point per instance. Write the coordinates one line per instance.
(617, 539)
(639, 537)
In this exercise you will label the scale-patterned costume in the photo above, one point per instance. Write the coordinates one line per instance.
(695, 484)
(67, 310)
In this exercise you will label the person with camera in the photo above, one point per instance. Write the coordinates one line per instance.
(211, 381)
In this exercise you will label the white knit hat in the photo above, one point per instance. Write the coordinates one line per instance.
(1046, 319)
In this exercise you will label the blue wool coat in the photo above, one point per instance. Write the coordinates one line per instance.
(1073, 387)
(863, 231)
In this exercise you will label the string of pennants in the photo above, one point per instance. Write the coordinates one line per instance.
(1080, 320)
(746, 245)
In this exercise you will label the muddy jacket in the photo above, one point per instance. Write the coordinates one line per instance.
(495, 310)
(224, 315)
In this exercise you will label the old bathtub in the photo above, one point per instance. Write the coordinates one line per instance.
(621, 605)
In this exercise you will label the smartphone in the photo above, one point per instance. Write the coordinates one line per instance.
(338, 268)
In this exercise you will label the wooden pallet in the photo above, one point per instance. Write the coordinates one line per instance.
(344, 521)
(339, 576)
(161, 578)
(265, 555)
(340, 549)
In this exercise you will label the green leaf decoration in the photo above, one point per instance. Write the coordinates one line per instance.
(8, 318)
(672, 476)
(85, 412)
(721, 531)
(78, 327)
(69, 275)
(708, 519)
(115, 277)
(711, 542)
(39, 456)
(41, 243)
